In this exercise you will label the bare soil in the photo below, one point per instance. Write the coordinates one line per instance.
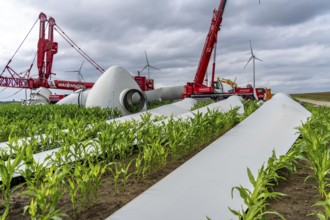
(296, 205)
(108, 202)
(301, 195)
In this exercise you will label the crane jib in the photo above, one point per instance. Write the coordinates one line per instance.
(197, 87)
(210, 42)
(224, 5)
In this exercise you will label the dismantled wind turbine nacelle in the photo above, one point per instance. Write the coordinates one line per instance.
(40, 97)
(117, 89)
(114, 89)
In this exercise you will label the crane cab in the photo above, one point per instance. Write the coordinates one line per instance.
(218, 87)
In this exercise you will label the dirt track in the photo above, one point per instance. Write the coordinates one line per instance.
(322, 103)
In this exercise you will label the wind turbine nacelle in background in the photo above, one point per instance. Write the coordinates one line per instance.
(117, 89)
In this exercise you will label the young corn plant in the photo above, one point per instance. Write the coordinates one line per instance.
(126, 173)
(255, 200)
(85, 184)
(115, 170)
(154, 154)
(45, 196)
(139, 166)
(326, 205)
(73, 186)
(72, 189)
(249, 107)
(316, 147)
(9, 168)
(315, 143)
(120, 174)
(116, 140)
(173, 139)
(96, 172)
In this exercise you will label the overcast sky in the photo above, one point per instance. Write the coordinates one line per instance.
(292, 37)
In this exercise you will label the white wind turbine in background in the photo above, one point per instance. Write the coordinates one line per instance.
(148, 66)
(80, 77)
(253, 58)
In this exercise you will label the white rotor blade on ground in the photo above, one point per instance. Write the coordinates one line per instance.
(202, 186)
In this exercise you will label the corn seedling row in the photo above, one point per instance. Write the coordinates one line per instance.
(313, 146)
(119, 150)
(255, 200)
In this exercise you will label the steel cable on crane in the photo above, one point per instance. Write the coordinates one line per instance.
(12, 94)
(20, 45)
(78, 49)
(2, 90)
(29, 70)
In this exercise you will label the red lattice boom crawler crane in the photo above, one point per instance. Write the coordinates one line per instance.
(47, 48)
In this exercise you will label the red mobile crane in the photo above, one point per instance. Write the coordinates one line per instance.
(197, 88)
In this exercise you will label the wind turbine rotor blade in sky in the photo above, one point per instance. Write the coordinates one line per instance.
(154, 67)
(81, 65)
(146, 57)
(82, 77)
(144, 68)
(248, 62)
(251, 48)
(257, 59)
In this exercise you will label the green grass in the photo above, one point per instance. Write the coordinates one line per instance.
(156, 104)
(319, 96)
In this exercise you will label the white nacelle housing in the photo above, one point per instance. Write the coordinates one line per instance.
(116, 88)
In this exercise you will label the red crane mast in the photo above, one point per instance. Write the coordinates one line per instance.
(47, 48)
(197, 87)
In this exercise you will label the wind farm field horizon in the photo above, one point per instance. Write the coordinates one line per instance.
(318, 96)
